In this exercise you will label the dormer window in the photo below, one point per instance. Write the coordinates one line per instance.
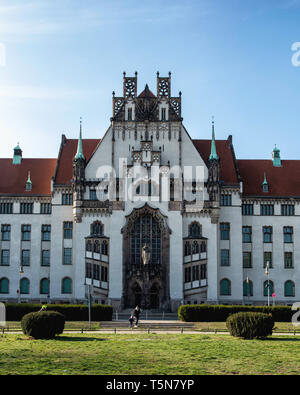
(28, 183)
(265, 185)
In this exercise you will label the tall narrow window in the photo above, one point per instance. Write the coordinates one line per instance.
(247, 234)
(225, 230)
(24, 286)
(226, 200)
(4, 285)
(129, 114)
(288, 234)
(248, 288)
(66, 286)
(45, 258)
(268, 259)
(287, 209)
(4, 258)
(26, 232)
(288, 260)
(44, 286)
(268, 288)
(247, 209)
(67, 199)
(26, 208)
(46, 208)
(247, 260)
(267, 234)
(46, 232)
(5, 232)
(68, 230)
(289, 289)
(225, 258)
(225, 287)
(267, 209)
(67, 258)
(25, 257)
(163, 114)
(6, 208)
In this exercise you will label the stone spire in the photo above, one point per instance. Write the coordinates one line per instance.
(79, 153)
(213, 149)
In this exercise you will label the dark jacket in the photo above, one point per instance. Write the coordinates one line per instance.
(136, 313)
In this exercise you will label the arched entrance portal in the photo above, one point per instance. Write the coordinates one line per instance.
(146, 260)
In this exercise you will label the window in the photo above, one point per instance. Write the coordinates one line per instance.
(289, 289)
(96, 272)
(267, 209)
(4, 258)
(287, 209)
(67, 260)
(248, 288)
(247, 234)
(288, 260)
(104, 248)
(46, 232)
(26, 208)
(66, 285)
(67, 199)
(93, 194)
(225, 200)
(225, 229)
(89, 246)
(46, 208)
(97, 247)
(88, 270)
(225, 287)
(195, 230)
(268, 288)
(247, 260)
(145, 231)
(203, 247)
(68, 230)
(163, 114)
(129, 114)
(5, 232)
(288, 234)
(247, 209)
(104, 273)
(25, 258)
(24, 286)
(187, 248)
(195, 247)
(225, 258)
(97, 229)
(4, 285)
(187, 274)
(45, 258)
(44, 286)
(267, 234)
(268, 259)
(26, 232)
(195, 273)
(202, 272)
(6, 208)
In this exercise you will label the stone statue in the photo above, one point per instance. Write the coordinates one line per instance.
(146, 255)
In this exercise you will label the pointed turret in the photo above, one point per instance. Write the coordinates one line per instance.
(213, 150)
(276, 157)
(79, 153)
(265, 185)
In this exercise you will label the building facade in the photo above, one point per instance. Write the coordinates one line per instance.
(146, 215)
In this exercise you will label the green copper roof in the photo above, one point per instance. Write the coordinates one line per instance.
(265, 184)
(17, 158)
(79, 153)
(213, 150)
(276, 157)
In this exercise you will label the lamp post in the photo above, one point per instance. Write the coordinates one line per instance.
(21, 271)
(248, 287)
(268, 286)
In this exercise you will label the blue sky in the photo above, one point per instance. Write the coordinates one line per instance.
(230, 59)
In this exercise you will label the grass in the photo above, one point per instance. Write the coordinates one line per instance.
(139, 354)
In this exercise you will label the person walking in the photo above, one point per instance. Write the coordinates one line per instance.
(136, 314)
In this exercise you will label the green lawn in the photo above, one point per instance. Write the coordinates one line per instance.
(135, 353)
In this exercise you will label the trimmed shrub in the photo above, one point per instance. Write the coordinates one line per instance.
(15, 311)
(220, 313)
(43, 324)
(250, 325)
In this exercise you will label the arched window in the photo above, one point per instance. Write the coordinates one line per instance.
(248, 288)
(97, 247)
(187, 248)
(4, 285)
(66, 285)
(97, 229)
(104, 248)
(195, 247)
(289, 288)
(195, 230)
(225, 287)
(24, 286)
(89, 246)
(268, 285)
(44, 286)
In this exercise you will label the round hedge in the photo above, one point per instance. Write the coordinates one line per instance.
(250, 325)
(43, 324)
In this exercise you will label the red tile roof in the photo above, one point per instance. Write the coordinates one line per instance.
(64, 171)
(228, 172)
(282, 181)
(13, 177)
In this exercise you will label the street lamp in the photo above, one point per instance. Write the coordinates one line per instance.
(248, 287)
(268, 285)
(21, 271)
